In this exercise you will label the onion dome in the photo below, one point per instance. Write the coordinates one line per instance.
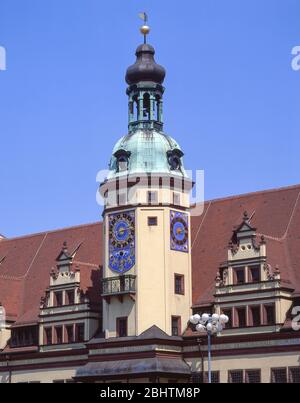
(145, 67)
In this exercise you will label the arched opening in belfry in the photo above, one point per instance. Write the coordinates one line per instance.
(135, 108)
(157, 108)
(146, 106)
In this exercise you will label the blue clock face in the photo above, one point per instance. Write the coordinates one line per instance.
(122, 241)
(179, 231)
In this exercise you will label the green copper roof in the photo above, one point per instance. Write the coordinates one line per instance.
(147, 151)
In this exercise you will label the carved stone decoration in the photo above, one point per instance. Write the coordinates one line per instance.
(269, 271)
(246, 217)
(276, 273)
(218, 279)
(53, 274)
(224, 277)
(44, 300)
(262, 240)
(233, 247)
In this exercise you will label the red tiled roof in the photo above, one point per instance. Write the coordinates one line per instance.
(276, 215)
(24, 272)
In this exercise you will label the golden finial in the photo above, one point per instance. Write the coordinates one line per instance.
(145, 29)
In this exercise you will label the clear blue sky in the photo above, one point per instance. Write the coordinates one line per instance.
(232, 100)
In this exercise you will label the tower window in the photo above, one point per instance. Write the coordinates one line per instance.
(179, 284)
(122, 327)
(122, 198)
(174, 158)
(152, 197)
(122, 157)
(152, 221)
(176, 325)
(176, 199)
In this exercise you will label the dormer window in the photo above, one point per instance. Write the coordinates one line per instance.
(58, 298)
(174, 159)
(254, 274)
(122, 157)
(239, 275)
(70, 297)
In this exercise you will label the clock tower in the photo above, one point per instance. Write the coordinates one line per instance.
(147, 264)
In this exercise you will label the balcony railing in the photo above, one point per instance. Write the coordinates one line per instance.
(118, 285)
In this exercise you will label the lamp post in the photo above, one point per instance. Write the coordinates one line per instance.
(210, 324)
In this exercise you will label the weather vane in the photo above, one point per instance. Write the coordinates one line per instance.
(145, 29)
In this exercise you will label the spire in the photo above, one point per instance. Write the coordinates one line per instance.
(145, 78)
(145, 29)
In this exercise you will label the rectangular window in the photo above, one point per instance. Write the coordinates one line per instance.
(294, 375)
(241, 317)
(122, 327)
(235, 376)
(179, 284)
(176, 325)
(80, 332)
(269, 314)
(58, 335)
(70, 297)
(152, 197)
(176, 199)
(48, 336)
(254, 274)
(70, 333)
(253, 376)
(152, 221)
(197, 377)
(239, 275)
(58, 298)
(278, 375)
(215, 377)
(254, 312)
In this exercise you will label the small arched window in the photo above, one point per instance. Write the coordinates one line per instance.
(174, 159)
(146, 106)
(122, 157)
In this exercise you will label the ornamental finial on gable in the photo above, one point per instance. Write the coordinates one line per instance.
(246, 216)
(65, 247)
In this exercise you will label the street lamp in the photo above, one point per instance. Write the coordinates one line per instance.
(210, 324)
